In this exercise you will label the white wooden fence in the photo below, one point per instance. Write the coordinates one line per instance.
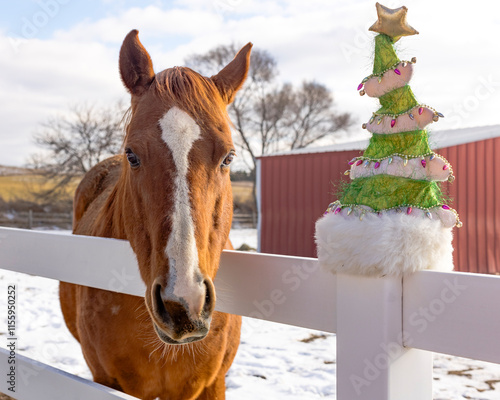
(386, 328)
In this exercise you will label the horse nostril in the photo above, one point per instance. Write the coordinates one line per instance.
(159, 305)
(172, 314)
(209, 297)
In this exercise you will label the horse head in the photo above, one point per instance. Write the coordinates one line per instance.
(176, 187)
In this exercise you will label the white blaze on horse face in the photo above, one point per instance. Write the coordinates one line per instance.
(180, 131)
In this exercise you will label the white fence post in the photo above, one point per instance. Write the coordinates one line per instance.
(371, 362)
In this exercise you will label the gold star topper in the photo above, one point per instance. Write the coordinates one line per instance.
(392, 22)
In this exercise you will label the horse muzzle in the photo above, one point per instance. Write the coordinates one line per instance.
(190, 337)
(177, 321)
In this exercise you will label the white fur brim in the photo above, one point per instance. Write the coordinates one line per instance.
(385, 245)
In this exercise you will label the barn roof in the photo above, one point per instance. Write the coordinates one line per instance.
(437, 139)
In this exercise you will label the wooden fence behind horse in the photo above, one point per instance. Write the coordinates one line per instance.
(32, 219)
(386, 328)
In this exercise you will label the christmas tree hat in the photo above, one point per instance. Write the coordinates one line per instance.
(392, 218)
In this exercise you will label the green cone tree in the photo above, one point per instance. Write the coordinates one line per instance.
(398, 175)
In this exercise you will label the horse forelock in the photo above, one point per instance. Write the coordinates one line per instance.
(192, 93)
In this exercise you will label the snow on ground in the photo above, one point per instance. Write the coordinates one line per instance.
(243, 236)
(274, 361)
(278, 361)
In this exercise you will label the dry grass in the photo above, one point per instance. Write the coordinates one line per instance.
(242, 196)
(25, 187)
(312, 337)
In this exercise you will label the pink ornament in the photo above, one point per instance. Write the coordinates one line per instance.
(420, 110)
(360, 86)
(409, 210)
(377, 164)
(445, 167)
(338, 210)
(424, 163)
(352, 161)
(393, 122)
(445, 207)
(359, 162)
(397, 71)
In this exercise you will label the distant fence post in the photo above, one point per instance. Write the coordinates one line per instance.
(30, 219)
(372, 364)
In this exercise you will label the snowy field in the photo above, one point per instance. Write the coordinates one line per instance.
(274, 361)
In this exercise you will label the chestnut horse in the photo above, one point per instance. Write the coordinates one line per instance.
(170, 196)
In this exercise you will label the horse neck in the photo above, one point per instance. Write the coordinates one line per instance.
(122, 216)
(110, 219)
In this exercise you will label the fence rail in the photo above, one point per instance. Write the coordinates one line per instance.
(39, 380)
(384, 326)
(245, 220)
(32, 219)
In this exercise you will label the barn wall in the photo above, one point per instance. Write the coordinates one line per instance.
(476, 194)
(296, 189)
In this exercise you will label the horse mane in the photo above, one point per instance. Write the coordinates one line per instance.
(192, 93)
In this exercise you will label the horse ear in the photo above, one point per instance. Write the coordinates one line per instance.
(231, 78)
(136, 68)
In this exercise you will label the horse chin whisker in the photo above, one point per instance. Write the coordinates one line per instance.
(160, 352)
(169, 353)
(158, 346)
(194, 350)
(141, 309)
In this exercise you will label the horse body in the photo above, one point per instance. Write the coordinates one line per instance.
(170, 196)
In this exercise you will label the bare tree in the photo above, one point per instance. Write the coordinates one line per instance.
(73, 144)
(311, 116)
(270, 116)
(256, 91)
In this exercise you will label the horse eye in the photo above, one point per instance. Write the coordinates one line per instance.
(132, 158)
(229, 159)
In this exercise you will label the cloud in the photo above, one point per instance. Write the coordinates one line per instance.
(153, 21)
(42, 79)
(318, 39)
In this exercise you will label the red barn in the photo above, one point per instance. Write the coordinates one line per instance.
(294, 189)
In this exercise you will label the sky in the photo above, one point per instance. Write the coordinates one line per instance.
(59, 53)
